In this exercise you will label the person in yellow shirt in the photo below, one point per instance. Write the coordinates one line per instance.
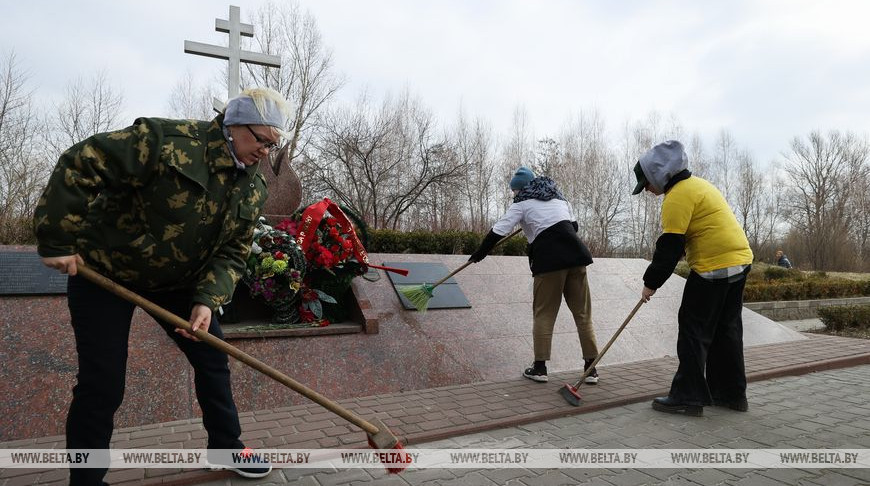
(697, 222)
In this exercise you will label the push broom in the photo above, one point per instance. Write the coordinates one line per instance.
(379, 436)
(419, 295)
(571, 393)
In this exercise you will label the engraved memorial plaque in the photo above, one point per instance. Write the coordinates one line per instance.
(22, 273)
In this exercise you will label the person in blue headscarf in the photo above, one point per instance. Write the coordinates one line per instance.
(558, 259)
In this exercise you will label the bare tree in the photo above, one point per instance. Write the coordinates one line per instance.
(381, 162)
(306, 75)
(440, 207)
(748, 196)
(88, 108)
(765, 228)
(22, 169)
(699, 163)
(548, 157)
(191, 100)
(474, 146)
(823, 173)
(643, 212)
(593, 180)
(859, 208)
(517, 151)
(724, 163)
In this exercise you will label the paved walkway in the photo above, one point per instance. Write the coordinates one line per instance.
(422, 416)
(785, 413)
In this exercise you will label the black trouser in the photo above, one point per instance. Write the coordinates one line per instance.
(710, 339)
(101, 322)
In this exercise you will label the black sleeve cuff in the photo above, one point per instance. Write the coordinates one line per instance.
(669, 249)
(486, 246)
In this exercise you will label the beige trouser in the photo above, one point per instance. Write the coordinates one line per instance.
(548, 291)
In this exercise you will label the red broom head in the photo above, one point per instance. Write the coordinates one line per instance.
(403, 461)
(394, 462)
(574, 391)
(390, 450)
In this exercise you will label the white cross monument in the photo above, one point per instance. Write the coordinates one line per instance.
(233, 53)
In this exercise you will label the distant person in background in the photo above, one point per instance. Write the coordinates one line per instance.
(697, 222)
(558, 260)
(782, 260)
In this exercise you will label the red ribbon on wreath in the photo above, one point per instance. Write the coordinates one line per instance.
(311, 218)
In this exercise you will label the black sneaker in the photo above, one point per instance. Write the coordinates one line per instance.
(536, 374)
(247, 464)
(592, 378)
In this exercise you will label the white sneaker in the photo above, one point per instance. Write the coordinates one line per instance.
(592, 379)
(539, 376)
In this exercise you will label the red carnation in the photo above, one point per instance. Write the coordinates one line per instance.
(287, 226)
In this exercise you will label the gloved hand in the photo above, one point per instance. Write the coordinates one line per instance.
(485, 246)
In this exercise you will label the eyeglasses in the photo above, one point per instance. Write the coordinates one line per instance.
(266, 144)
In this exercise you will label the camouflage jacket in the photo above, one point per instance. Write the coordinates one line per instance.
(156, 206)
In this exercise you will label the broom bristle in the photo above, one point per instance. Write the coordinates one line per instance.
(417, 295)
(571, 395)
(398, 461)
(403, 462)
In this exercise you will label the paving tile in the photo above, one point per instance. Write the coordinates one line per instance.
(347, 476)
(550, 478)
(28, 479)
(792, 416)
(464, 477)
(630, 477)
(421, 476)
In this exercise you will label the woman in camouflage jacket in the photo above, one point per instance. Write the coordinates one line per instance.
(167, 208)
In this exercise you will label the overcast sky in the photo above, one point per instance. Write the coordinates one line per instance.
(766, 70)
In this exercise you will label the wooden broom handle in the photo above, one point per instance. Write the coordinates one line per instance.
(227, 348)
(469, 262)
(609, 343)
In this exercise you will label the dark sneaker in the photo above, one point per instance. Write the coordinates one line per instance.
(247, 464)
(537, 374)
(740, 405)
(592, 378)
(252, 472)
(669, 405)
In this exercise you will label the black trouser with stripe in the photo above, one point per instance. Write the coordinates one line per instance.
(101, 322)
(710, 342)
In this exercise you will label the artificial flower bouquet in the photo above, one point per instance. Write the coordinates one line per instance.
(275, 272)
(332, 249)
(328, 249)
